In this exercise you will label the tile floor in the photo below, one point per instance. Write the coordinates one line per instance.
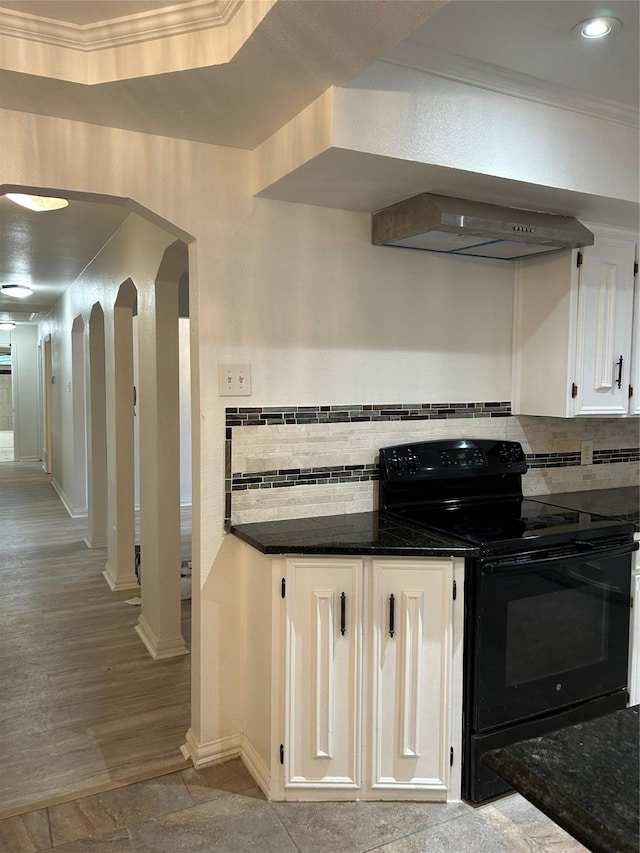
(219, 810)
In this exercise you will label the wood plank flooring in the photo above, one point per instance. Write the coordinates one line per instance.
(83, 707)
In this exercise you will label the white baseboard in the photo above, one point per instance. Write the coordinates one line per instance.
(256, 766)
(157, 648)
(66, 503)
(213, 752)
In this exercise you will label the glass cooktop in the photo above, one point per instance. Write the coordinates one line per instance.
(512, 521)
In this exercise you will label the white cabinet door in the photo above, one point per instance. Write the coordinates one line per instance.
(634, 634)
(323, 674)
(411, 655)
(634, 400)
(605, 314)
(572, 327)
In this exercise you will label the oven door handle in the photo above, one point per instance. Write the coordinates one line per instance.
(507, 565)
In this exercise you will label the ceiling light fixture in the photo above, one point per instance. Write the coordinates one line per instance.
(18, 291)
(597, 28)
(39, 203)
(7, 326)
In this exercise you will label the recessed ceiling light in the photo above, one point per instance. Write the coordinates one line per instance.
(7, 326)
(18, 291)
(597, 28)
(39, 203)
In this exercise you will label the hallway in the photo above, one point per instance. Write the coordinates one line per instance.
(84, 707)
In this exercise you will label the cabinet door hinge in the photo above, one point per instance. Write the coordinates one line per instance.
(574, 390)
(635, 268)
(451, 757)
(630, 391)
(579, 259)
(283, 588)
(281, 753)
(455, 590)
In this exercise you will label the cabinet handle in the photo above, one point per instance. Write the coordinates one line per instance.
(619, 379)
(392, 615)
(343, 614)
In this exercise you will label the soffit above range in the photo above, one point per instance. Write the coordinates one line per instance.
(231, 85)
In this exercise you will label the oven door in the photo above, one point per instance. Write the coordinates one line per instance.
(549, 633)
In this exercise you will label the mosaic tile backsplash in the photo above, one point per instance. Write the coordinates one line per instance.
(287, 462)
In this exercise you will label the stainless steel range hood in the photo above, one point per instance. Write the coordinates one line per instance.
(458, 227)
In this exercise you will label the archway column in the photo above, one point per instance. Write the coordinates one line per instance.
(120, 569)
(159, 625)
(97, 432)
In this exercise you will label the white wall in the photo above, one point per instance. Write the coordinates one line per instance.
(324, 317)
(25, 355)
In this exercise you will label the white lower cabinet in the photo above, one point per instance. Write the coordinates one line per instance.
(634, 634)
(410, 673)
(367, 678)
(323, 663)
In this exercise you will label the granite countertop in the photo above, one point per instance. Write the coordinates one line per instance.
(585, 777)
(366, 533)
(375, 533)
(623, 502)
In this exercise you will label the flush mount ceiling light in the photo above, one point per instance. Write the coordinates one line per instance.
(6, 326)
(597, 28)
(18, 291)
(39, 203)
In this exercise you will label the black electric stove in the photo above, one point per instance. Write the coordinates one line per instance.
(546, 596)
(472, 490)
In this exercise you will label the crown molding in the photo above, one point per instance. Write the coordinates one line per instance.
(494, 78)
(182, 19)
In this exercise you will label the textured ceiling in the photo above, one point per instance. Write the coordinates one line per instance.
(534, 38)
(48, 251)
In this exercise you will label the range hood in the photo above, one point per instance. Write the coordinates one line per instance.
(458, 227)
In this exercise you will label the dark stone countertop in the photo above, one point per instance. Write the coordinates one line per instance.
(585, 777)
(374, 533)
(361, 533)
(623, 502)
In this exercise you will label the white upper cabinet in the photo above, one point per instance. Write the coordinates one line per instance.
(576, 346)
(634, 398)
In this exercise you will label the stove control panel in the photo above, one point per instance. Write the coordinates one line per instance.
(463, 458)
(431, 460)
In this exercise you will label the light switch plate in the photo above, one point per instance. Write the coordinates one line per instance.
(234, 380)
